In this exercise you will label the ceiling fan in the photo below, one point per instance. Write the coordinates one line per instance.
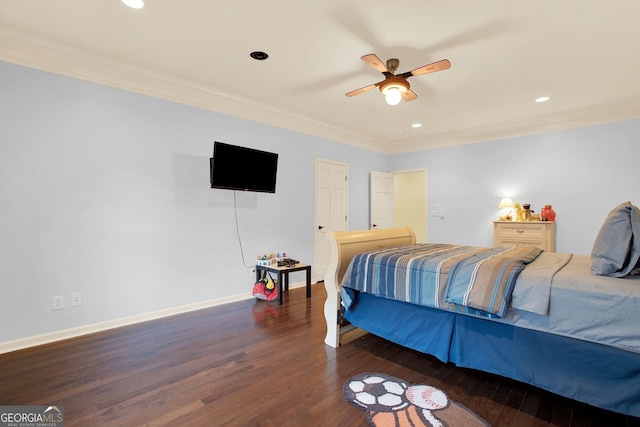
(395, 86)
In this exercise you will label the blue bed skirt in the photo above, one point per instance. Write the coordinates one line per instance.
(602, 376)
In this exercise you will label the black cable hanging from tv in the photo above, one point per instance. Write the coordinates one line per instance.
(235, 211)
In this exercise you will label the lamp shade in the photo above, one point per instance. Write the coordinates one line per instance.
(506, 202)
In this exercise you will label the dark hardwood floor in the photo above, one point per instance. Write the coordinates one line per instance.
(252, 363)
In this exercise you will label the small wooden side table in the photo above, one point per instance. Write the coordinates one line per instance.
(283, 273)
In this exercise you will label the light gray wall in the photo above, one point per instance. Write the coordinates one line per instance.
(106, 192)
(583, 173)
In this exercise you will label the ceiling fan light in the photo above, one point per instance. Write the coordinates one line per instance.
(393, 90)
(393, 96)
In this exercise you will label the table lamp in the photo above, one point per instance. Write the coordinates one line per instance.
(506, 203)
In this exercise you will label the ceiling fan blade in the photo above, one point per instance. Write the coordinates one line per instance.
(361, 90)
(430, 68)
(375, 62)
(409, 95)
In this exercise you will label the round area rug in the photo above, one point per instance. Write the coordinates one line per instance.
(391, 402)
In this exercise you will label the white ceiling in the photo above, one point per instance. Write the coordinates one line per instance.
(504, 53)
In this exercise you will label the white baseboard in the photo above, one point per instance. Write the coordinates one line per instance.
(50, 337)
(22, 343)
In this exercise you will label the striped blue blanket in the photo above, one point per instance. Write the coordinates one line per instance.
(459, 278)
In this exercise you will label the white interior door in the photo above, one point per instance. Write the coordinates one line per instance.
(381, 199)
(331, 210)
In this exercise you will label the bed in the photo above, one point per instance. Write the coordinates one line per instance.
(558, 326)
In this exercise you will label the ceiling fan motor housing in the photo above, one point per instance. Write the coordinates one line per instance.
(399, 83)
(392, 65)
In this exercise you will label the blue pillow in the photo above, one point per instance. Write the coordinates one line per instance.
(616, 251)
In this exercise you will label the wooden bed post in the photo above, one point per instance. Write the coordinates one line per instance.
(344, 246)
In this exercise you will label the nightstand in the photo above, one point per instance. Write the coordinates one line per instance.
(537, 233)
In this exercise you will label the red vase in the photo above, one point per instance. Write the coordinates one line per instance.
(547, 213)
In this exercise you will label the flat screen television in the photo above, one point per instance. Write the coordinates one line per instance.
(240, 168)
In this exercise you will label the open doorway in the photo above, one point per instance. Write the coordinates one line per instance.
(399, 199)
(410, 201)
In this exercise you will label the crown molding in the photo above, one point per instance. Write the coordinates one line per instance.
(25, 50)
(626, 109)
(22, 49)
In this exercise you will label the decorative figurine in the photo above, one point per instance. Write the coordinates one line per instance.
(547, 213)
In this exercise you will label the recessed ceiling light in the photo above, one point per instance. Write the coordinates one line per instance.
(416, 125)
(543, 99)
(260, 56)
(134, 4)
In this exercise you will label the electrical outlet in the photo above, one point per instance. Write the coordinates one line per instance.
(76, 299)
(58, 302)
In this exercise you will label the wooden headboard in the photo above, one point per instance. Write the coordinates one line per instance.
(344, 246)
